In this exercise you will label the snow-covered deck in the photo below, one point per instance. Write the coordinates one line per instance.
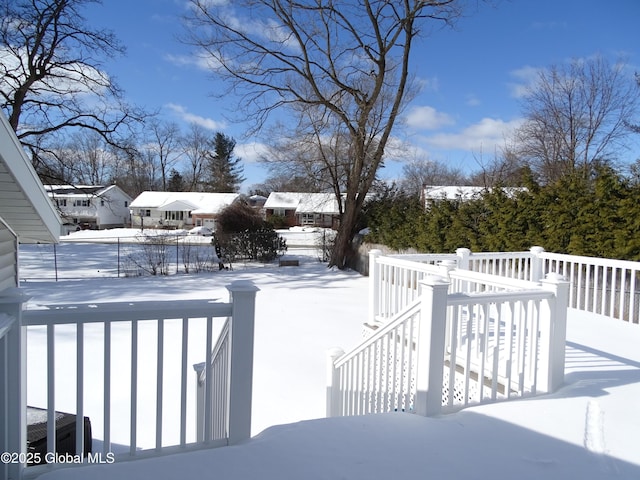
(587, 430)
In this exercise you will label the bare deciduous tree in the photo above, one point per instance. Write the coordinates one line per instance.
(51, 72)
(340, 68)
(196, 145)
(164, 144)
(420, 172)
(577, 116)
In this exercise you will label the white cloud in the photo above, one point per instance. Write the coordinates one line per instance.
(487, 134)
(428, 118)
(251, 152)
(203, 62)
(207, 123)
(472, 100)
(431, 84)
(524, 77)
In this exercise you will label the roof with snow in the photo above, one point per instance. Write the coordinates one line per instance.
(304, 202)
(463, 192)
(194, 202)
(83, 191)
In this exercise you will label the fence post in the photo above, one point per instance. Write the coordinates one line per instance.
(463, 258)
(374, 285)
(334, 407)
(243, 298)
(431, 346)
(200, 385)
(553, 333)
(13, 385)
(537, 273)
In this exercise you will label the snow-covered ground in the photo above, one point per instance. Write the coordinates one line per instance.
(590, 429)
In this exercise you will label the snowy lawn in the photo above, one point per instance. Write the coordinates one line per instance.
(590, 429)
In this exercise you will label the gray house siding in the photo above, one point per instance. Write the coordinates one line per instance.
(8, 258)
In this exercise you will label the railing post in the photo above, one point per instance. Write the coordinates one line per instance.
(200, 386)
(13, 385)
(334, 408)
(553, 333)
(537, 273)
(374, 285)
(431, 346)
(463, 258)
(243, 298)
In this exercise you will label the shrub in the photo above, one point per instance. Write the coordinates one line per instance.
(242, 234)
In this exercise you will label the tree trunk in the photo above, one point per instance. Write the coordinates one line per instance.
(342, 251)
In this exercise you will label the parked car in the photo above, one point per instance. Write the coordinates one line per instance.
(201, 231)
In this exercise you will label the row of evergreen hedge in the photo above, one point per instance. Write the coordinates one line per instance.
(597, 216)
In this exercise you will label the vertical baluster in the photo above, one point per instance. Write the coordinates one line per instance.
(411, 371)
(394, 371)
(208, 383)
(623, 287)
(587, 284)
(535, 341)
(454, 319)
(509, 331)
(183, 382)
(106, 448)
(632, 298)
(612, 297)
(467, 366)
(133, 442)
(51, 389)
(159, 383)
(80, 388)
(596, 289)
(522, 339)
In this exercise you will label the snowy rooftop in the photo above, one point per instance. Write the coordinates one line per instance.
(433, 192)
(303, 202)
(196, 202)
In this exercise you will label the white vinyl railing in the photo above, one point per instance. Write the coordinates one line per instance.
(456, 337)
(159, 339)
(599, 285)
(379, 375)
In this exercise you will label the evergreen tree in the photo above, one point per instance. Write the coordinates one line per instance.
(224, 169)
(176, 182)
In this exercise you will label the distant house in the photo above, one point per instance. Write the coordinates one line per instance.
(91, 206)
(303, 209)
(179, 209)
(257, 201)
(431, 193)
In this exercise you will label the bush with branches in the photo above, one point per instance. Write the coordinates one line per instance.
(242, 234)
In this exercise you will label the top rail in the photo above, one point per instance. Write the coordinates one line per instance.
(123, 311)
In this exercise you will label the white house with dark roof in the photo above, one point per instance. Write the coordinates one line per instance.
(179, 209)
(305, 209)
(91, 206)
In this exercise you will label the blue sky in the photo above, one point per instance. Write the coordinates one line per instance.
(472, 75)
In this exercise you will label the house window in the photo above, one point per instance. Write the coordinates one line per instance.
(101, 202)
(61, 202)
(145, 213)
(126, 204)
(81, 203)
(308, 219)
(174, 215)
